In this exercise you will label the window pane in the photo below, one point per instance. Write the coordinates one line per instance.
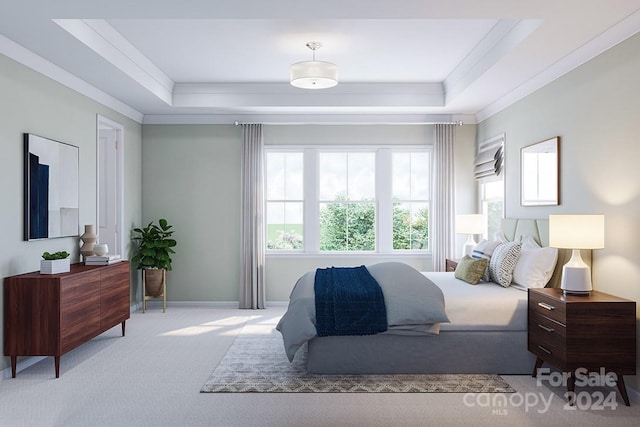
(275, 171)
(411, 226)
(419, 176)
(333, 176)
(284, 225)
(410, 176)
(294, 176)
(492, 205)
(347, 227)
(401, 181)
(362, 176)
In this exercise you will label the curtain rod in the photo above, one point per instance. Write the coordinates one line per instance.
(457, 123)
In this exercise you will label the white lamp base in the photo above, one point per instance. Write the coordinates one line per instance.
(576, 276)
(468, 246)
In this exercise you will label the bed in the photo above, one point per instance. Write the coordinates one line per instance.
(486, 331)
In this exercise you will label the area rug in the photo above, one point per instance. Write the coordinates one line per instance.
(259, 365)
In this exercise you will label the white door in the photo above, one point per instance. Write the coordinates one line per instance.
(109, 197)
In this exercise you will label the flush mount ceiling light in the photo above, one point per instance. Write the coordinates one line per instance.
(314, 74)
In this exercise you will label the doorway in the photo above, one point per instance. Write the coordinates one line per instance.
(110, 160)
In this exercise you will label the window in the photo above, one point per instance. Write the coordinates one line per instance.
(284, 200)
(410, 177)
(492, 196)
(348, 199)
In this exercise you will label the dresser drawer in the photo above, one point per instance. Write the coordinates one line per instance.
(548, 307)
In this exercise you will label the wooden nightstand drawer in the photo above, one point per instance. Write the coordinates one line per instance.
(547, 339)
(546, 326)
(548, 307)
(450, 265)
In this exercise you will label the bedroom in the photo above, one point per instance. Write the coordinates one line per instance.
(593, 109)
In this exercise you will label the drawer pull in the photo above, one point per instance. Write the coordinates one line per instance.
(546, 306)
(545, 328)
(544, 349)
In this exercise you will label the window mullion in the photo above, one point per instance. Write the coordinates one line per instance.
(384, 202)
(311, 202)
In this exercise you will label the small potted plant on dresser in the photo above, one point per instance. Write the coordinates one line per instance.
(155, 247)
(55, 263)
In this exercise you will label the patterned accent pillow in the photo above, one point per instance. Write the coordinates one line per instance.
(484, 250)
(470, 270)
(503, 261)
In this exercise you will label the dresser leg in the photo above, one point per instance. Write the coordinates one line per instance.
(623, 390)
(537, 366)
(14, 366)
(57, 363)
(123, 325)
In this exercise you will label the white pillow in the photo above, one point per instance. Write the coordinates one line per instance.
(503, 261)
(535, 265)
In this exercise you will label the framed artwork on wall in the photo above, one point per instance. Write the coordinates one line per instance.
(51, 188)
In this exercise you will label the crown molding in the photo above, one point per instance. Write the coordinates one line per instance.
(16, 52)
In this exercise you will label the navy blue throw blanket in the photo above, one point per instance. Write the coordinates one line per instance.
(349, 301)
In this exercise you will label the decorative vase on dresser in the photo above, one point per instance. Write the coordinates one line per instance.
(89, 238)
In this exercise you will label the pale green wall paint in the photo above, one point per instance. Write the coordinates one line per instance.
(36, 104)
(191, 177)
(595, 111)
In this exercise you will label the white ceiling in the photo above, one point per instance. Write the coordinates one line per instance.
(213, 61)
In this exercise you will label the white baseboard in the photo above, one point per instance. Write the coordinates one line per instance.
(155, 303)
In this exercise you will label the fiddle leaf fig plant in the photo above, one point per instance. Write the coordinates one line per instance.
(155, 245)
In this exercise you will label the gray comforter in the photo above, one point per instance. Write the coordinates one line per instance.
(415, 305)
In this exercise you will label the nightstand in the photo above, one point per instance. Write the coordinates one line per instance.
(450, 264)
(586, 332)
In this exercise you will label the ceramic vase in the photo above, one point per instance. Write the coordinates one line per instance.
(89, 238)
(100, 249)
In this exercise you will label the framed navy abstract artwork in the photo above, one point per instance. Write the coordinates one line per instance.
(51, 192)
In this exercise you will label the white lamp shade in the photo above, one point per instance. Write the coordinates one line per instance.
(470, 224)
(314, 74)
(576, 231)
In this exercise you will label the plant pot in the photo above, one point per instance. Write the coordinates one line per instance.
(153, 282)
(55, 266)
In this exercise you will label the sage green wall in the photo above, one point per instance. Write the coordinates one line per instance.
(595, 111)
(33, 103)
(191, 177)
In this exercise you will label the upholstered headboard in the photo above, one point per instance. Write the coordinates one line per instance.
(514, 228)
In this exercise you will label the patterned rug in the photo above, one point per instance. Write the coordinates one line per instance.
(259, 365)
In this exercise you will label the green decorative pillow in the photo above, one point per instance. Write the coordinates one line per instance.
(470, 270)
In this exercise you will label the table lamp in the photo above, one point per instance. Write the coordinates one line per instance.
(576, 232)
(469, 224)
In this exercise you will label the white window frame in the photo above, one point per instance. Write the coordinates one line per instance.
(383, 198)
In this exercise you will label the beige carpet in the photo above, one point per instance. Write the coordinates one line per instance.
(259, 365)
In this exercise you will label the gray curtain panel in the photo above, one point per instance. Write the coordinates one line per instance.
(443, 208)
(252, 244)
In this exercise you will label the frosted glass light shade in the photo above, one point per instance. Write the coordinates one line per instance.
(576, 231)
(313, 74)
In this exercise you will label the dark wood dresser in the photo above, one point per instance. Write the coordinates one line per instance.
(592, 332)
(51, 314)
